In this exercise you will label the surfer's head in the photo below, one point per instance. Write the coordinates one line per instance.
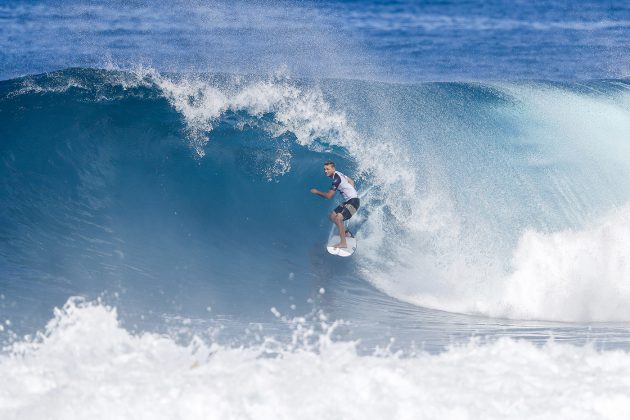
(329, 168)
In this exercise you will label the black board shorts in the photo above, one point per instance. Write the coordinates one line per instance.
(348, 208)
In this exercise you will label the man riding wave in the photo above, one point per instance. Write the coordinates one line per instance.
(345, 186)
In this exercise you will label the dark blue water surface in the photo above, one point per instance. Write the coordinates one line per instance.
(399, 40)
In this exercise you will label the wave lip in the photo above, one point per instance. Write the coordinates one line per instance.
(302, 111)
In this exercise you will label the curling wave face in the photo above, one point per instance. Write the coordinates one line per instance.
(505, 199)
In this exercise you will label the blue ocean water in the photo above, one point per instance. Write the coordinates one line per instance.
(156, 161)
(390, 41)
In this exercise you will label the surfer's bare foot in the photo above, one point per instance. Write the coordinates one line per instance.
(341, 245)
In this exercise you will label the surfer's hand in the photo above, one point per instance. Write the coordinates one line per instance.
(314, 191)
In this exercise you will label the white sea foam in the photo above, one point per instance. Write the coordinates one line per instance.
(573, 275)
(570, 275)
(85, 365)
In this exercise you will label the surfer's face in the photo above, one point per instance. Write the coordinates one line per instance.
(329, 170)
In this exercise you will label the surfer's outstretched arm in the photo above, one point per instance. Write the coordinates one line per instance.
(328, 195)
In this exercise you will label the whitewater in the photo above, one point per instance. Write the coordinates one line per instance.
(161, 256)
(75, 370)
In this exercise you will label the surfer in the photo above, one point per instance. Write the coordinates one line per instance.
(345, 211)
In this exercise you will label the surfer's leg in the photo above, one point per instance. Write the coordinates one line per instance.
(337, 218)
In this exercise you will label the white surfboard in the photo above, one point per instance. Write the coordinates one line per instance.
(342, 252)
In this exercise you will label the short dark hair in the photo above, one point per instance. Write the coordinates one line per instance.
(329, 162)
